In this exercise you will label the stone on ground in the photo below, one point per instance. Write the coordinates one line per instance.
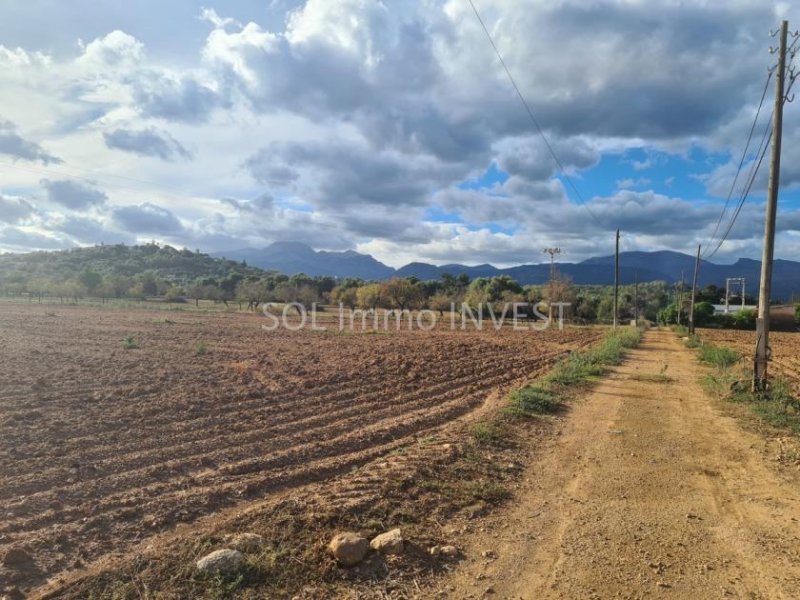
(390, 542)
(222, 562)
(348, 548)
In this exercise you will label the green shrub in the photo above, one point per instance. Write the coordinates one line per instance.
(718, 356)
(694, 341)
(703, 313)
(129, 342)
(745, 319)
(797, 313)
(533, 400)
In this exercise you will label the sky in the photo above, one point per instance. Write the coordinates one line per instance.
(391, 127)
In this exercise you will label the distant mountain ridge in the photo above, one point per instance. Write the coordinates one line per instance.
(664, 265)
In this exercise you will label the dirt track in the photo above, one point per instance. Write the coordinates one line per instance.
(648, 491)
(102, 447)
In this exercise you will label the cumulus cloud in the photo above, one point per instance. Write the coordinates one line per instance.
(115, 50)
(14, 210)
(89, 231)
(21, 239)
(14, 145)
(147, 218)
(72, 194)
(174, 98)
(353, 122)
(146, 142)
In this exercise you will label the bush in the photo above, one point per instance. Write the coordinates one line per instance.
(745, 319)
(703, 313)
(533, 400)
(797, 313)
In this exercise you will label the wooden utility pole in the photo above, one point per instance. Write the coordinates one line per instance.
(765, 288)
(616, 283)
(694, 291)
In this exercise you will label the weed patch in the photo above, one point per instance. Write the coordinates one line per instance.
(129, 343)
(488, 433)
(719, 356)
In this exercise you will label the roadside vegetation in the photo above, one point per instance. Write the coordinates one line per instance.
(731, 380)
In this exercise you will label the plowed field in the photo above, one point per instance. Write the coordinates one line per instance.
(785, 349)
(102, 446)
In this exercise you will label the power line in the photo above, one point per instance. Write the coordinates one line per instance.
(762, 151)
(532, 117)
(744, 155)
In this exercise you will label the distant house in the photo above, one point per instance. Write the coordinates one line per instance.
(719, 309)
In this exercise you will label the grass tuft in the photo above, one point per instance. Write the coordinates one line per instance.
(488, 433)
(533, 400)
(719, 356)
(129, 343)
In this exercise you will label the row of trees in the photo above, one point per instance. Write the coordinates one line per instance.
(655, 301)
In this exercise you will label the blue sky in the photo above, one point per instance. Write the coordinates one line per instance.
(386, 127)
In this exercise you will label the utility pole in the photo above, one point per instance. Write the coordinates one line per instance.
(616, 283)
(694, 291)
(765, 288)
(552, 252)
(680, 299)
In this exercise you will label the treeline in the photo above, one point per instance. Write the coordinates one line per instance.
(168, 274)
(252, 288)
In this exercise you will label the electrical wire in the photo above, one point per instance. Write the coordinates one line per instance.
(533, 119)
(741, 161)
(752, 177)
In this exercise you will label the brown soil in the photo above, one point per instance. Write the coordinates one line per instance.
(102, 448)
(785, 358)
(648, 491)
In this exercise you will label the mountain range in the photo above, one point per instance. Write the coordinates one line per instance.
(297, 257)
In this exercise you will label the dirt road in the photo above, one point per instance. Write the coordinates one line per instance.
(648, 491)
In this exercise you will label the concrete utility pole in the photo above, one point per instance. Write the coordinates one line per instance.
(765, 288)
(694, 291)
(616, 283)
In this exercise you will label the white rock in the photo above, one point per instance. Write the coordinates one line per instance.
(222, 562)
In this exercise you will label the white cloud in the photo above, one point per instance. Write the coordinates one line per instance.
(359, 119)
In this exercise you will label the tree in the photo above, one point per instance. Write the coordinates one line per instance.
(90, 280)
(254, 292)
(559, 289)
(402, 293)
(371, 296)
(348, 296)
(440, 302)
